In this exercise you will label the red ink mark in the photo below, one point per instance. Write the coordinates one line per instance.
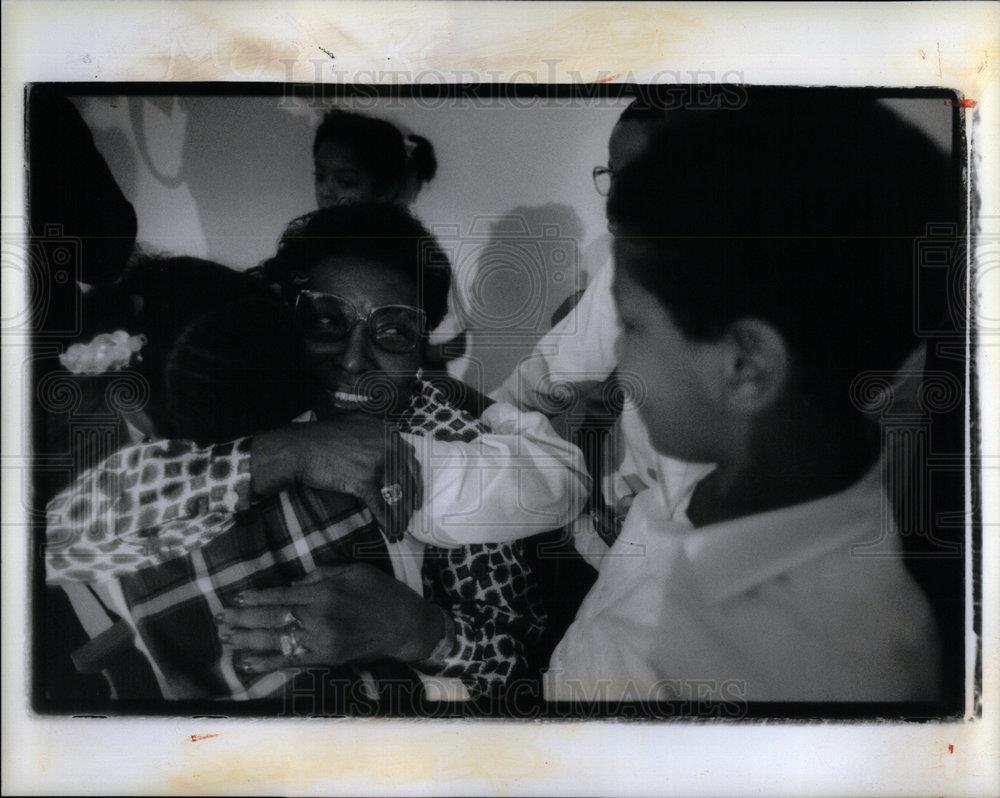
(961, 103)
(608, 79)
(196, 737)
(923, 55)
(951, 748)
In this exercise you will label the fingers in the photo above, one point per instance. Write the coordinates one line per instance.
(321, 573)
(288, 596)
(252, 639)
(266, 663)
(269, 617)
(324, 572)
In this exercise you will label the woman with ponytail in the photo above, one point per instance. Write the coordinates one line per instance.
(361, 159)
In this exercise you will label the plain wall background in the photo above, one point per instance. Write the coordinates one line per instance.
(513, 199)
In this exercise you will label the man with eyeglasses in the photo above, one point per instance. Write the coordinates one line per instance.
(579, 351)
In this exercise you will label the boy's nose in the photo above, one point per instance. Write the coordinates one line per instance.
(356, 358)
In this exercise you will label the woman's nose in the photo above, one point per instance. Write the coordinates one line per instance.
(356, 358)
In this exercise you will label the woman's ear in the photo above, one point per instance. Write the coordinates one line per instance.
(757, 366)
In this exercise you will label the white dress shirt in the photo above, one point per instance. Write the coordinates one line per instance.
(779, 606)
(517, 480)
(580, 349)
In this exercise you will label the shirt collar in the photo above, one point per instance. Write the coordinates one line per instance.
(734, 556)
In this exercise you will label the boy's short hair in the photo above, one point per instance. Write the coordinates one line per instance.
(651, 103)
(801, 209)
(383, 232)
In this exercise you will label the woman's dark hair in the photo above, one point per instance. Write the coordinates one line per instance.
(221, 358)
(382, 232)
(384, 152)
(801, 208)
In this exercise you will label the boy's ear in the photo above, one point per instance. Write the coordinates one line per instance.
(757, 366)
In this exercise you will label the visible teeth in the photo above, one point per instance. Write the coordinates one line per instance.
(349, 397)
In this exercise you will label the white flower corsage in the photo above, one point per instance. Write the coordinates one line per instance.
(106, 352)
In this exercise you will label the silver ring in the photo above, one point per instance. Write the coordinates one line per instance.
(290, 646)
(291, 620)
(392, 493)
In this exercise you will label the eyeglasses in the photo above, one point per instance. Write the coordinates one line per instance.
(329, 319)
(602, 179)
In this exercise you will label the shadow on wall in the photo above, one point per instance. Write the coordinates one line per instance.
(236, 206)
(512, 272)
(211, 177)
(125, 169)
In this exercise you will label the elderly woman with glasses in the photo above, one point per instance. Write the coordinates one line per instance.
(426, 570)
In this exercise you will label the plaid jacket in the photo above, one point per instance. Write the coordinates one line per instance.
(174, 525)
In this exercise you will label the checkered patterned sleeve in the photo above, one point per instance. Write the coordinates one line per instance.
(494, 603)
(145, 505)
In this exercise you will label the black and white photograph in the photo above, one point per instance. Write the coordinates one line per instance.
(629, 403)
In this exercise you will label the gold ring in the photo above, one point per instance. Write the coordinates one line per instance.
(392, 493)
(290, 646)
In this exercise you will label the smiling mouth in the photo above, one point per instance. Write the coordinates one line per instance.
(347, 399)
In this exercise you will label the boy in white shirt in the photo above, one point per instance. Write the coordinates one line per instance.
(757, 279)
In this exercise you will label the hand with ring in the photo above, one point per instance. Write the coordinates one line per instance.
(290, 645)
(355, 453)
(337, 615)
(270, 629)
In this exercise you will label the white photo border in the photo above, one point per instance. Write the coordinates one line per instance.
(954, 46)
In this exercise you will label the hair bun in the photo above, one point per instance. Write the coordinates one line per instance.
(420, 154)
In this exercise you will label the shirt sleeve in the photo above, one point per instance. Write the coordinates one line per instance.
(497, 617)
(144, 505)
(517, 480)
(579, 349)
